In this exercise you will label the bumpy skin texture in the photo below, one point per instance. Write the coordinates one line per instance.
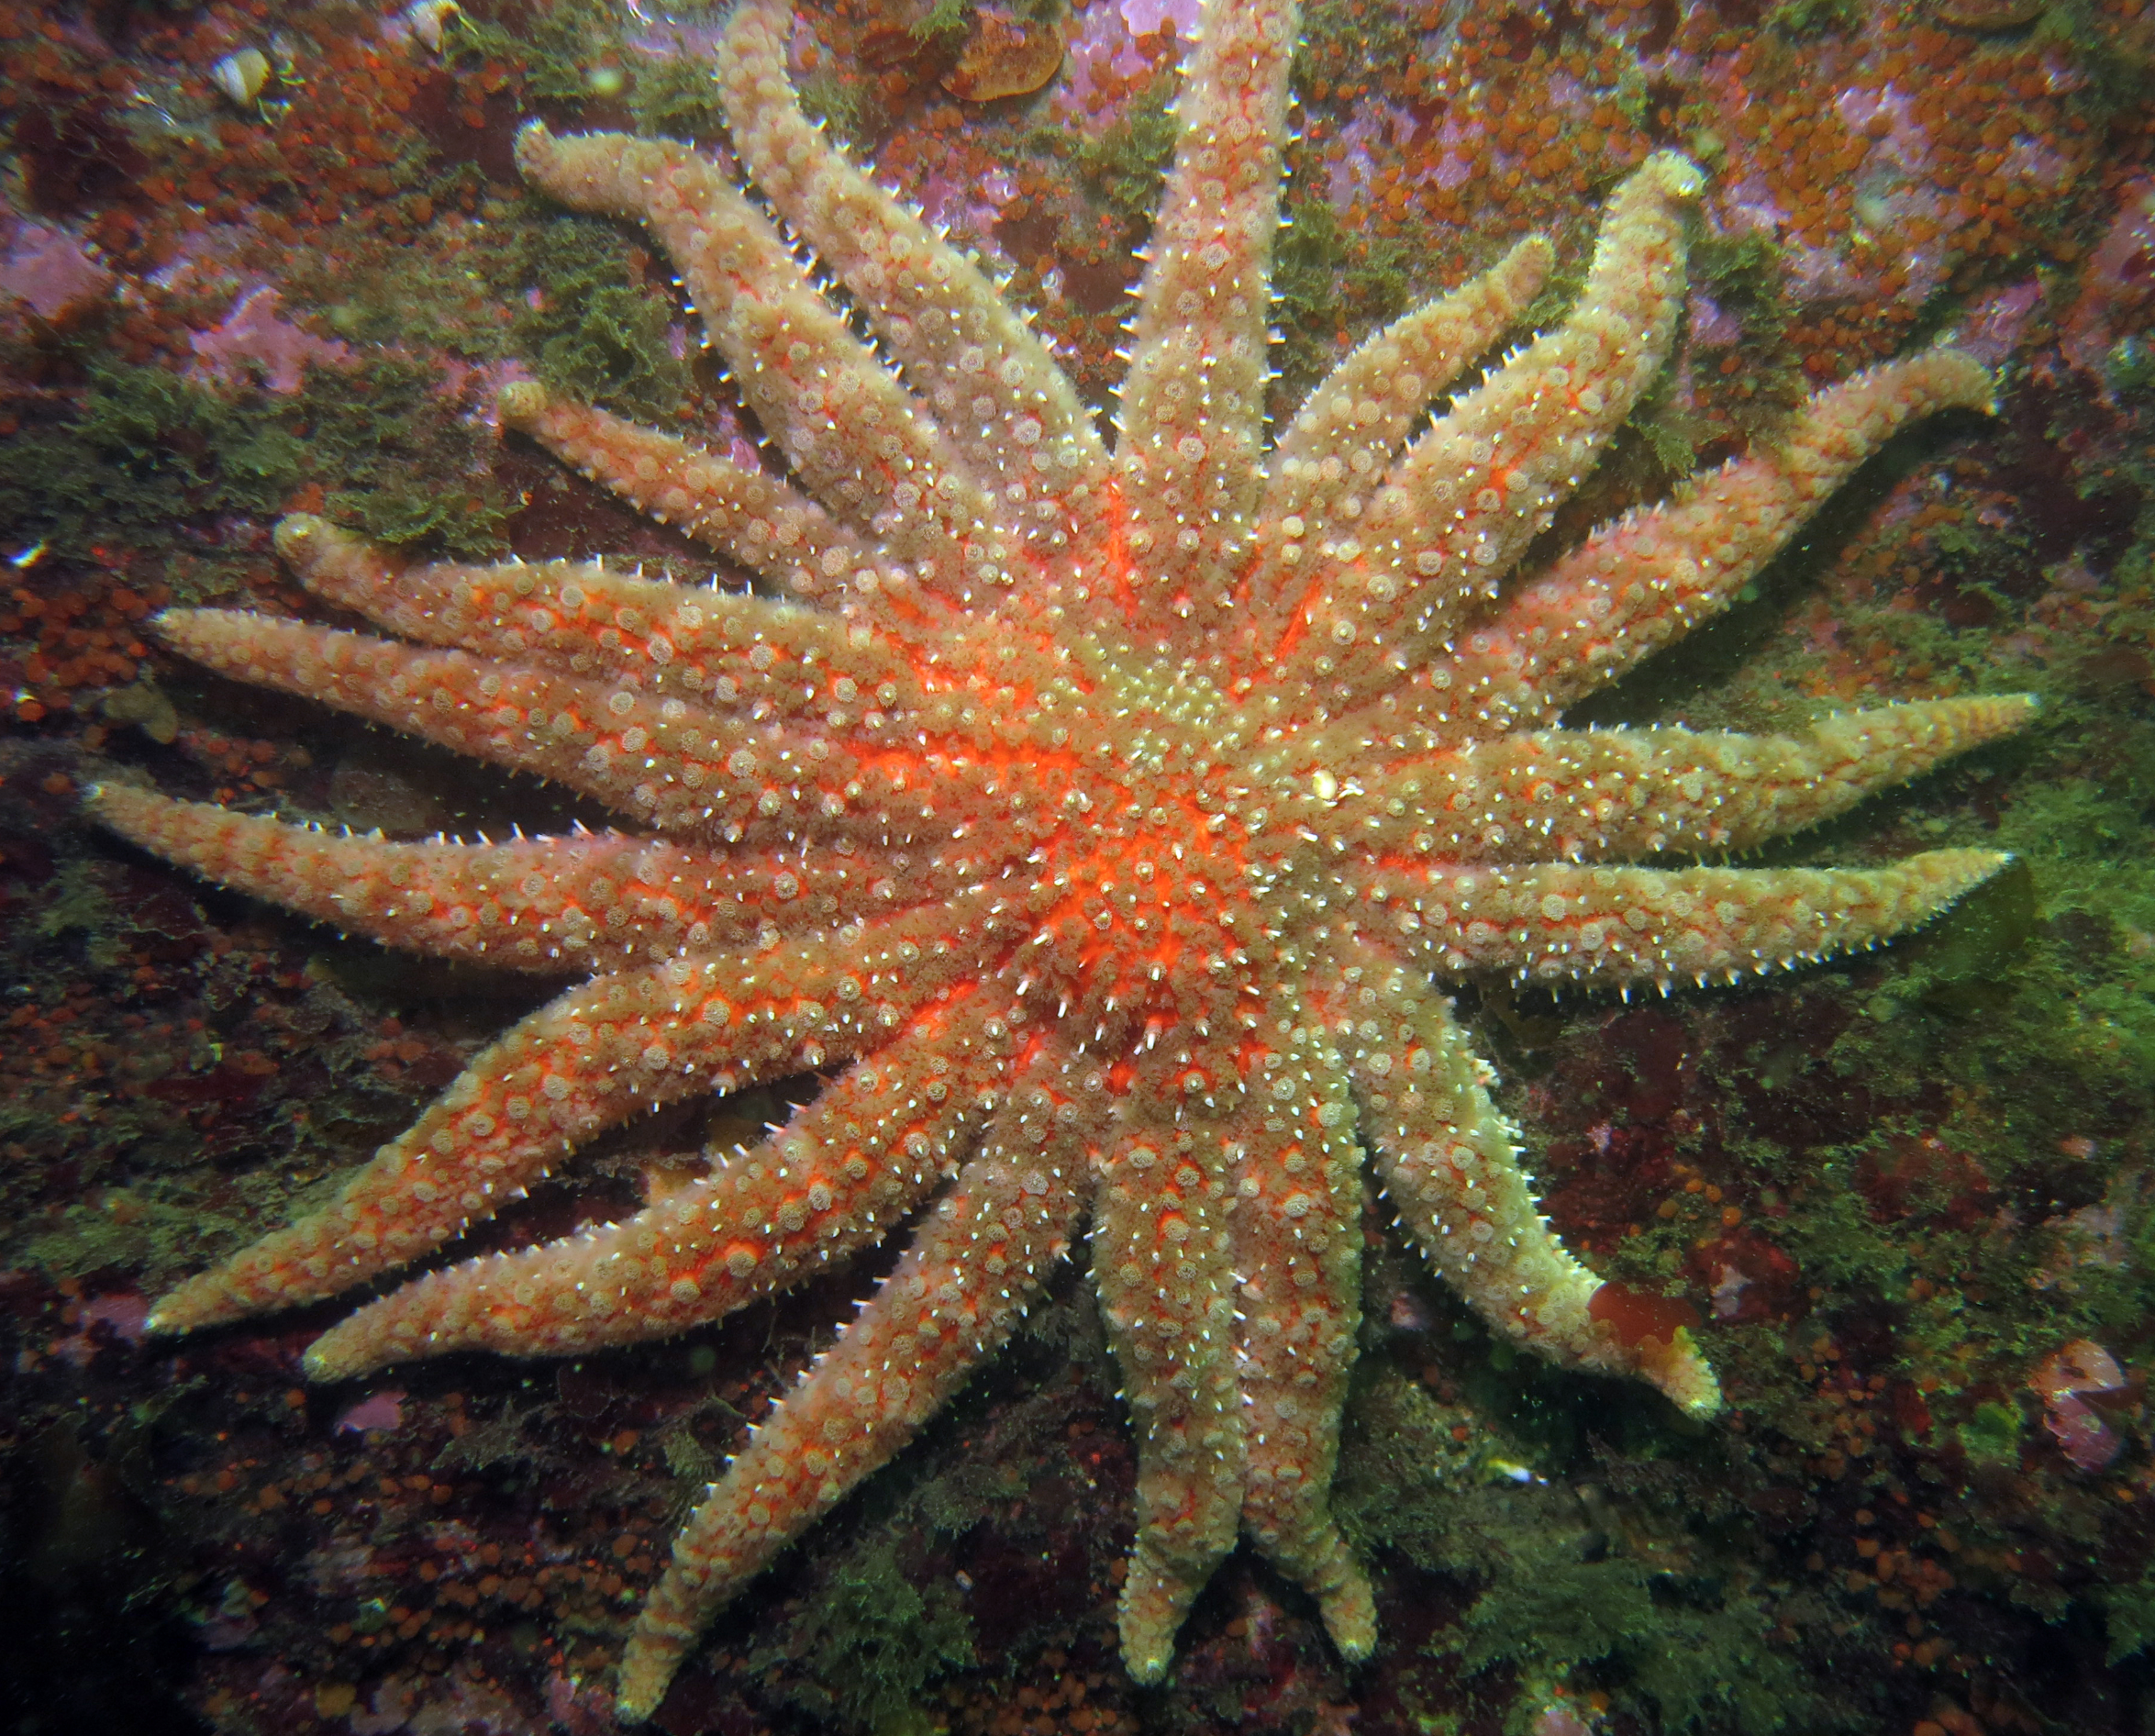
(1095, 817)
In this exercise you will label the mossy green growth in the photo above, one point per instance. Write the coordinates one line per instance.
(80, 903)
(1834, 1238)
(147, 453)
(2112, 1300)
(1349, 41)
(1801, 19)
(151, 454)
(558, 50)
(2128, 1618)
(397, 459)
(870, 1645)
(1326, 279)
(1552, 1597)
(1746, 275)
(840, 102)
(2115, 59)
(1992, 1434)
(2129, 369)
(945, 22)
(1664, 433)
(2034, 994)
(160, 1239)
(677, 98)
(1127, 165)
(1698, 1654)
(419, 299)
(594, 332)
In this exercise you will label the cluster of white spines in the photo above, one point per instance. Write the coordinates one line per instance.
(839, 1176)
(1618, 795)
(1190, 430)
(1453, 514)
(1696, 925)
(849, 429)
(1009, 410)
(1339, 447)
(1650, 577)
(748, 515)
(974, 1266)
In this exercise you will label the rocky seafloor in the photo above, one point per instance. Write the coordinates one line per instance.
(258, 258)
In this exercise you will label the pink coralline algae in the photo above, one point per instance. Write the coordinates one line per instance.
(46, 269)
(1145, 17)
(383, 1409)
(2081, 1367)
(121, 1315)
(2118, 291)
(255, 338)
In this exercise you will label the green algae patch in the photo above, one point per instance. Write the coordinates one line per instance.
(842, 104)
(944, 23)
(1964, 962)
(80, 903)
(1347, 43)
(1553, 1589)
(1699, 1654)
(563, 51)
(1125, 166)
(397, 461)
(677, 98)
(594, 332)
(1801, 19)
(1326, 279)
(1992, 1434)
(1747, 277)
(151, 457)
(867, 1648)
(452, 295)
(2128, 1619)
(145, 1232)
(146, 454)
(2115, 59)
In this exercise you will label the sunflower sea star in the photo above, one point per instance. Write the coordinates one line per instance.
(1095, 818)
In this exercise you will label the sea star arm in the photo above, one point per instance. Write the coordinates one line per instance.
(592, 902)
(1604, 794)
(1629, 925)
(736, 653)
(1454, 514)
(593, 1056)
(1449, 1158)
(1350, 428)
(848, 427)
(677, 768)
(1008, 409)
(748, 516)
(1189, 454)
(1163, 1265)
(856, 711)
(1651, 576)
(977, 1263)
(840, 1175)
(1297, 1244)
